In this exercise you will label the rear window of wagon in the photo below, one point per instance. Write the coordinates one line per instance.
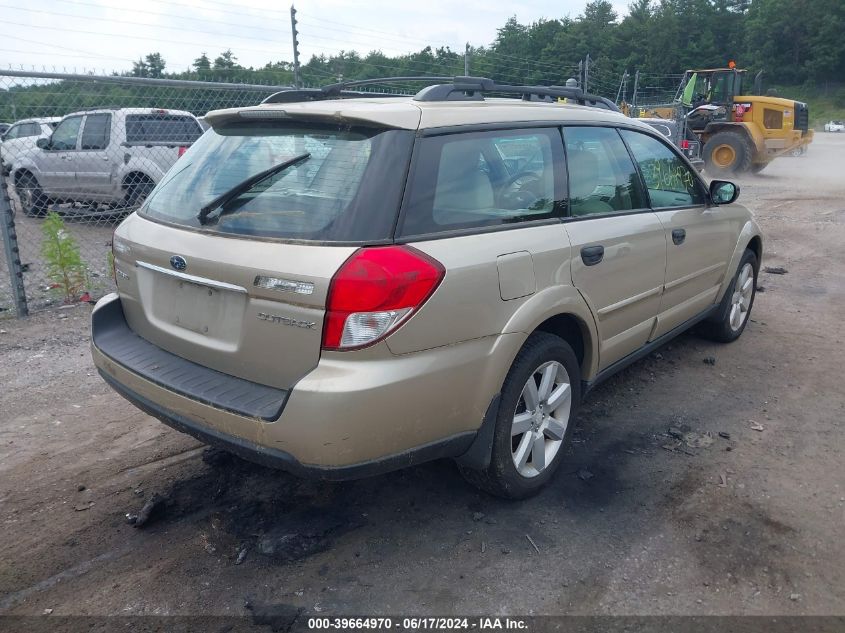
(347, 189)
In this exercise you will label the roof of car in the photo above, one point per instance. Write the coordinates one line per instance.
(131, 111)
(406, 113)
(45, 119)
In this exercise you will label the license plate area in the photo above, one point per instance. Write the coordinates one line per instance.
(195, 307)
(210, 315)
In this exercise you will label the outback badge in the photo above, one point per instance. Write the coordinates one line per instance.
(178, 262)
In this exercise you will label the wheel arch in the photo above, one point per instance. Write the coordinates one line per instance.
(575, 332)
(756, 245)
(749, 238)
(561, 310)
(129, 178)
(20, 173)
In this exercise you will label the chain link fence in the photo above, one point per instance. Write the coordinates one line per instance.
(80, 153)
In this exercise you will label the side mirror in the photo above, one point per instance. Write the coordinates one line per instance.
(43, 143)
(723, 192)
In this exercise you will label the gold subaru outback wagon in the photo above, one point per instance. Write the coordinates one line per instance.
(340, 284)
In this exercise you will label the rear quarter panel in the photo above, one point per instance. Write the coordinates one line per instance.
(469, 304)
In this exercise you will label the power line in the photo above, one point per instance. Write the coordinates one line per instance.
(192, 18)
(135, 37)
(114, 21)
(74, 50)
(46, 54)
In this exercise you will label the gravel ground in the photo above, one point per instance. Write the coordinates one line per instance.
(632, 523)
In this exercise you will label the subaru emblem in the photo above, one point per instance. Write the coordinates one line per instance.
(178, 262)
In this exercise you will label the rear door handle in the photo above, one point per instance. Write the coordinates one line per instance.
(678, 236)
(592, 255)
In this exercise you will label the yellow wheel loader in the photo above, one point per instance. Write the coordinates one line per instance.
(739, 129)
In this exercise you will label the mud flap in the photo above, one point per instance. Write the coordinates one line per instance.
(478, 455)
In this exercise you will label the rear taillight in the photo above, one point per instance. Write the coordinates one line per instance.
(374, 292)
(182, 150)
(685, 144)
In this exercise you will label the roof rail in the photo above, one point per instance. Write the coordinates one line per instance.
(473, 88)
(333, 91)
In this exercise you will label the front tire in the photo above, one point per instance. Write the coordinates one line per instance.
(32, 198)
(727, 153)
(735, 309)
(540, 396)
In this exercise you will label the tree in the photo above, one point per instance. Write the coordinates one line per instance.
(155, 64)
(140, 68)
(202, 63)
(226, 60)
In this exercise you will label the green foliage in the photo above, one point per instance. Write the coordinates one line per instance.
(65, 268)
(150, 66)
(226, 60)
(202, 63)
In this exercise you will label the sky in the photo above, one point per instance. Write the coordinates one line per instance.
(107, 35)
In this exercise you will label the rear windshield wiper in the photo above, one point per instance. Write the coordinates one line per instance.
(246, 185)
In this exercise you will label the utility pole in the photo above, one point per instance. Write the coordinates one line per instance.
(622, 84)
(636, 84)
(466, 61)
(587, 73)
(297, 79)
(581, 73)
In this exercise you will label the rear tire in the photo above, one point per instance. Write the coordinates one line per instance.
(728, 152)
(137, 189)
(33, 200)
(735, 308)
(540, 396)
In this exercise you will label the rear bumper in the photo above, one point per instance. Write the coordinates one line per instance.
(111, 335)
(275, 458)
(348, 418)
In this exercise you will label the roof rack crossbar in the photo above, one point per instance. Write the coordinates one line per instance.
(334, 88)
(331, 91)
(472, 87)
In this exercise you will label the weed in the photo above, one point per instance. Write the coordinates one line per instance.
(65, 268)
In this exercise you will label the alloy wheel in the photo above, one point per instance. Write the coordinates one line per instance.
(741, 300)
(541, 418)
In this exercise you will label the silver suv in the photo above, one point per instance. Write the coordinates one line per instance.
(340, 285)
(103, 156)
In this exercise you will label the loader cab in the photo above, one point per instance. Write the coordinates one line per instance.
(715, 86)
(708, 95)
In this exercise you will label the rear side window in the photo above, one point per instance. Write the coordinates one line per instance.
(161, 128)
(482, 179)
(95, 134)
(26, 129)
(344, 184)
(670, 182)
(602, 178)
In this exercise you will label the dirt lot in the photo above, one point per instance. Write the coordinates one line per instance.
(752, 524)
